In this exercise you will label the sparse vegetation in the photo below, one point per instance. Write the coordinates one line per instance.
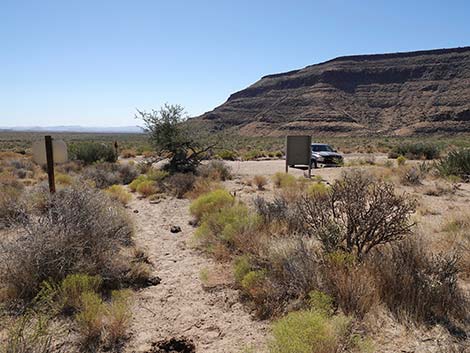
(415, 151)
(91, 152)
(456, 163)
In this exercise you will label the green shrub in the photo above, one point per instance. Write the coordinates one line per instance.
(253, 281)
(308, 332)
(227, 155)
(90, 318)
(321, 302)
(91, 152)
(63, 179)
(72, 288)
(282, 180)
(119, 193)
(456, 163)
(136, 182)
(147, 188)
(210, 202)
(29, 333)
(118, 315)
(223, 225)
(253, 154)
(416, 151)
(317, 188)
(241, 267)
(401, 160)
(157, 175)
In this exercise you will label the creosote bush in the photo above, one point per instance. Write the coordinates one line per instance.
(356, 214)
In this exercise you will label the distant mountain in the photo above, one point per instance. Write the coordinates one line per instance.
(77, 128)
(410, 93)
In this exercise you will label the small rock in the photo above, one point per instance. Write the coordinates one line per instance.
(175, 229)
(154, 202)
(136, 211)
(154, 280)
(192, 222)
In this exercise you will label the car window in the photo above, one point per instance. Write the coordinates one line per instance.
(322, 148)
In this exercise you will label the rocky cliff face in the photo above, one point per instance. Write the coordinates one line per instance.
(395, 94)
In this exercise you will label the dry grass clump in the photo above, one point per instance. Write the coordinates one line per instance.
(128, 153)
(28, 333)
(215, 170)
(79, 231)
(439, 189)
(119, 193)
(282, 180)
(180, 184)
(260, 181)
(63, 179)
(202, 186)
(104, 175)
(420, 286)
(147, 188)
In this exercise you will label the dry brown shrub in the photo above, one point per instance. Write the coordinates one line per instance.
(202, 186)
(78, 231)
(215, 170)
(260, 181)
(180, 184)
(418, 285)
(350, 283)
(128, 153)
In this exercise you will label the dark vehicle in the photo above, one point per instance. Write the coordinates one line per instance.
(324, 154)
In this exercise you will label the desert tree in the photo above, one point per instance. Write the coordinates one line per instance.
(357, 214)
(169, 136)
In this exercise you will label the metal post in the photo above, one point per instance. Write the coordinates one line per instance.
(50, 163)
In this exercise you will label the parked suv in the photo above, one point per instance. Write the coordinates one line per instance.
(324, 154)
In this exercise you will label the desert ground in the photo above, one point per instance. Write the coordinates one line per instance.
(209, 314)
(195, 304)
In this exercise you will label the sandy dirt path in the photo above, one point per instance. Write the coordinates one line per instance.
(179, 306)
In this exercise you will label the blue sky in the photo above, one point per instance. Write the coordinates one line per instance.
(83, 62)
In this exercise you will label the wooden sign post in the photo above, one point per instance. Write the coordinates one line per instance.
(50, 163)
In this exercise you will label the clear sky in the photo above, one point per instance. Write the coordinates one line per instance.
(93, 62)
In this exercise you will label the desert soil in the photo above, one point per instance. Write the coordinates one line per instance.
(180, 307)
